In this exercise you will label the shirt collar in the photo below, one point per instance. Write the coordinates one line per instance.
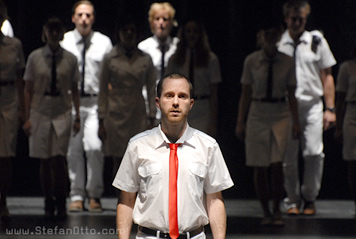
(79, 38)
(287, 39)
(167, 43)
(186, 139)
(48, 52)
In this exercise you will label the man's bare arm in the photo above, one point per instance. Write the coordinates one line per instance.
(217, 215)
(124, 214)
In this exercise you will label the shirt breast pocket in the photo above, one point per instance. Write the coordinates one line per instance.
(151, 178)
(197, 175)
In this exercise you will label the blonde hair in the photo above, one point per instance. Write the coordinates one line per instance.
(155, 7)
(296, 5)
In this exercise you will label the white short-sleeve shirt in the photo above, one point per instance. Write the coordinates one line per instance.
(151, 46)
(308, 63)
(145, 170)
(97, 46)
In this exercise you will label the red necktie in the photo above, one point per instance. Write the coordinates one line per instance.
(173, 175)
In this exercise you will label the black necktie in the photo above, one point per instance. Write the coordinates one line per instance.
(54, 75)
(191, 67)
(83, 68)
(295, 45)
(269, 81)
(162, 60)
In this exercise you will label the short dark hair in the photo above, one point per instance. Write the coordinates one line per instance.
(174, 76)
(53, 23)
(296, 5)
(85, 2)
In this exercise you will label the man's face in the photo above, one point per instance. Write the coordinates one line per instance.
(175, 102)
(83, 19)
(296, 21)
(161, 24)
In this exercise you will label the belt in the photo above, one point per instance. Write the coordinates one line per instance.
(88, 95)
(7, 83)
(201, 97)
(166, 235)
(272, 100)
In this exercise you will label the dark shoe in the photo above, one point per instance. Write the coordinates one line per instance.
(49, 208)
(277, 220)
(266, 221)
(309, 208)
(61, 208)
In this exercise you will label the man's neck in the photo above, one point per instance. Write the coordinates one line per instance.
(84, 34)
(162, 40)
(296, 37)
(173, 131)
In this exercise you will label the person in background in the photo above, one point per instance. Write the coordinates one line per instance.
(345, 131)
(268, 105)
(51, 88)
(194, 59)
(121, 106)
(85, 157)
(12, 64)
(172, 176)
(161, 45)
(315, 82)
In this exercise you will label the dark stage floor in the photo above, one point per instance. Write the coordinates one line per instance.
(334, 219)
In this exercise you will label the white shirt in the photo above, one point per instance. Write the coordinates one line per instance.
(255, 73)
(346, 80)
(145, 170)
(6, 29)
(97, 46)
(151, 46)
(308, 63)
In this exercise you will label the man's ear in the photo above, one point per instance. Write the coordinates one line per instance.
(191, 103)
(157, 103)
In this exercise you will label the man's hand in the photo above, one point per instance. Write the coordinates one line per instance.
(329, 119)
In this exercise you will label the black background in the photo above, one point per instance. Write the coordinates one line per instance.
(231, 26)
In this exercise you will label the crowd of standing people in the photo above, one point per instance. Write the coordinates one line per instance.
(80, 100)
